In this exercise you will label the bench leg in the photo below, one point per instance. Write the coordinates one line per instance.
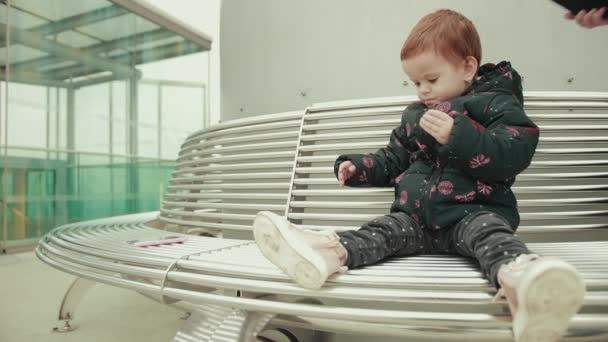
(71, 299)
(213, 323)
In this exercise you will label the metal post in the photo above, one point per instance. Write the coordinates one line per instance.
(57, 119)
(4, 170)
(207, 90)
(20, 219)
(159, 129)
(111, 142)
(60, 191)
(71, 167)
(5, 135)
(159, 126)
(70, 120)
(132, 118)
(111, 119)
(132, 178)
(205, 108)
(48, 122)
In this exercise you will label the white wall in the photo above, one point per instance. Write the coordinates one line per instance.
(275, 50)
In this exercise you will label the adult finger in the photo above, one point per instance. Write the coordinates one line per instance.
(579, 17)
(589, 19)
(598, 17)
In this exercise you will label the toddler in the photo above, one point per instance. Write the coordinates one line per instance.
(452, 162)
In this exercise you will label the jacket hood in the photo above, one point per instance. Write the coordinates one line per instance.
(500, 78)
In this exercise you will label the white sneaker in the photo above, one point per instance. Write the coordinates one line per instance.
(543, 294)
(308, 257)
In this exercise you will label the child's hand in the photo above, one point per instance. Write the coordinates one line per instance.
(438, 125)
(590, 19)
(347, 169)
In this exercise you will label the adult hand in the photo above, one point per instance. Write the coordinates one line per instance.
(591, 19)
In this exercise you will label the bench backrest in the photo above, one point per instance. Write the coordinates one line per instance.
(564, 190)
(227, 173)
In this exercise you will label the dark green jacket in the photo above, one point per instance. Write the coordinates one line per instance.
(492, 141)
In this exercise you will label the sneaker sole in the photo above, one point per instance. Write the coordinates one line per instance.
(555, 294)
(288, 253)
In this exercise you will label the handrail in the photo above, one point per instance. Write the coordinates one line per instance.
(100, 154)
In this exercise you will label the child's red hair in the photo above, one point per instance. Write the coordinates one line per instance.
(447, 33)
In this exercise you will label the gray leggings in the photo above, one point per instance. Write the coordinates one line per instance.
(484, 236)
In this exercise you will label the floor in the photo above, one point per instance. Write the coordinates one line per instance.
(31, 292)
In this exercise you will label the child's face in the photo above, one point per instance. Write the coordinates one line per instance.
(437, 79)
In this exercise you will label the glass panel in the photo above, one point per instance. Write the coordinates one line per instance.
(43, 193)
(56, 31)
(75, 39)
(55, 11)
(155, 43)
(119, 114)
(107, 30)
(179, 120)
(28, 114)
(62, 130)
(20, 53)
(92, 119)
(22, 19)
(79, 124)
(148, 120)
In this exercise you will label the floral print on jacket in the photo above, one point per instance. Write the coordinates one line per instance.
(492, 141)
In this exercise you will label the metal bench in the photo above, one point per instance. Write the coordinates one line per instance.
(233, 292)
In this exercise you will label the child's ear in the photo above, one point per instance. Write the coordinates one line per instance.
(470, 68)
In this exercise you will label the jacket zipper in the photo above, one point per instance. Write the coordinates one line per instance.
(434, 180)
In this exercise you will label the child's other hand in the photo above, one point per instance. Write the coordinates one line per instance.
(591, 19)
(347, 169)
(438, 125)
